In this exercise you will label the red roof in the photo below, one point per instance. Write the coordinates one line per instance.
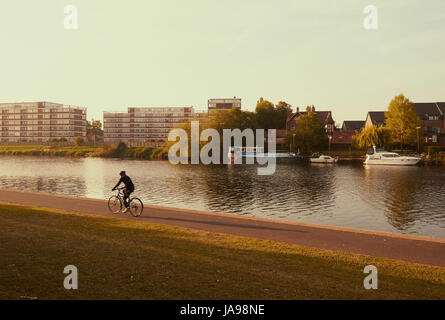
(342, 137)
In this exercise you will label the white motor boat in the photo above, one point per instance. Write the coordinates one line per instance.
(320, 158)
(382, 157)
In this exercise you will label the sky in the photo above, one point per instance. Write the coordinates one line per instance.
(181, 53)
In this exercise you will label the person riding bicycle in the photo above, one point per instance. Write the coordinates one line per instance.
(129, 188)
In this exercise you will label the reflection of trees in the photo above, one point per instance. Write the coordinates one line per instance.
(292, 189)
(313, 189)
(69, 185)
(397, 188)
(229, 188)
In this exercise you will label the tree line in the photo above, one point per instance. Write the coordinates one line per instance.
(403, 128)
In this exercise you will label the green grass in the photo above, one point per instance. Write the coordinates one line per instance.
(125, 259)
(143, 153)
(72, 151)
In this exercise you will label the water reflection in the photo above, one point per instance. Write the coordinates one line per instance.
(398, 199)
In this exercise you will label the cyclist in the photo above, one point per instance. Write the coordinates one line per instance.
(129, 188)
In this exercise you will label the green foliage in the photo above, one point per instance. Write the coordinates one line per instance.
(94, 130)
(269, 116)
(402, 121)
(121, 148)
(79, 141)
(309, 133)
(371, 135)
(432, 150)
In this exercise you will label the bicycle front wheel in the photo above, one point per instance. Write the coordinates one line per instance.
(136, 207)
(114, 205)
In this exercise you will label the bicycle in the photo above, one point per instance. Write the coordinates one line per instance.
(115, 204)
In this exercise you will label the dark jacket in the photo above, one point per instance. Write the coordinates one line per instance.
(127, 182)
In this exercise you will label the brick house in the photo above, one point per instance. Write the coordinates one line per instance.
(432, 115)
(325, 118)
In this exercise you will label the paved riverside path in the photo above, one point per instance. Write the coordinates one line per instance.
(423, 250)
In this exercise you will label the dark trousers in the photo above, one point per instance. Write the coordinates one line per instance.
(127, 193)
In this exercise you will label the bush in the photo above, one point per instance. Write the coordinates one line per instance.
(431, 150)
(79, 141)
(121, 149)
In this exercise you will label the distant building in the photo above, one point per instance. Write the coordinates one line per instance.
(223, 104)
(37, 122)
(325, 118)
(200, 114)
(342, 139)
(144, 126)
(432, 115)
(433, 121)
(375, 118)
(355, 125)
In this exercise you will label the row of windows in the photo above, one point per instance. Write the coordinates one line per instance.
(146, 125)
(44, 128)
(154, 119)
(45, 116)
(43, 134)
(158, 135)
(138, 130)
(168, 124)
(45, 122)
(34, 109)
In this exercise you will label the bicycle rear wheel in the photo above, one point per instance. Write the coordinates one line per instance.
(114, 205)
(136, 207)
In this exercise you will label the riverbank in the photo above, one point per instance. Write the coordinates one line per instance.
(144, 153)
(417, 249)
(128, 259)
(159, 153)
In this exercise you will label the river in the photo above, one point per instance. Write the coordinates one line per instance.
(409, 200)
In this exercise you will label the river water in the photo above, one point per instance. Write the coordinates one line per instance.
(408, 200)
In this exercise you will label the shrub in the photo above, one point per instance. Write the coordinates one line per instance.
(431, 150)
(79, 141)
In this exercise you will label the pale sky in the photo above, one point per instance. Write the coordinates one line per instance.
(181, 53)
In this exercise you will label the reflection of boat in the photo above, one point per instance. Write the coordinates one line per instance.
(254, 152)
(320, 158)
(382, 157)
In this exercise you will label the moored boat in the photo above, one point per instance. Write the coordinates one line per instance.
(320, 158)
(382, 157)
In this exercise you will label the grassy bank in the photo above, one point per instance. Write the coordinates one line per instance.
(123, 259)
(52, 151)
(146, 153)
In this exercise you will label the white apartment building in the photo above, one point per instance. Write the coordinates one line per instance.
(223, 104)
(144, 126)
(40, 121)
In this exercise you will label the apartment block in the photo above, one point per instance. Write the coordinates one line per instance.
(26, 122)
(144, 126)
(223, 104)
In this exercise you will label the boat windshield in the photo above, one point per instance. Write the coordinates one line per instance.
(390, 155)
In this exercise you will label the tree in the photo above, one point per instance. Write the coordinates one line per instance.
(309, 133)
(282, 110)
(402, 121)
(94, 130)
(79, 141)
(370, 136)
(265, 114)
(270, 116)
